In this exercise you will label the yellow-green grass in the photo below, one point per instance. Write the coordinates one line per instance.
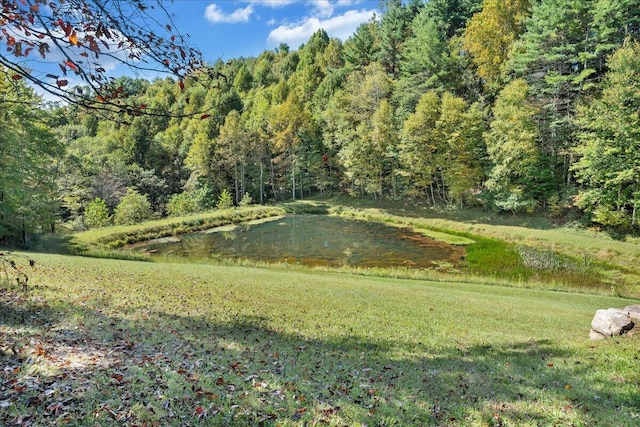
(112, 342)
(118, 236)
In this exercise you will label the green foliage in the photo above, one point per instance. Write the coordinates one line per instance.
(363, 47)
(451, 16)
(424, 61)
(133, 208)
(395, 27)
(225, 201)
(511, 146)
(246, 201)
(29, 152)
(96, 214)
(418, 145)
(610, 133)
(502, 81)
(184, 203)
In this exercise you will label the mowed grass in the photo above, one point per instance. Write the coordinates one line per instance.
(108, 342)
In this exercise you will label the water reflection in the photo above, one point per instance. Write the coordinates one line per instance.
(315, 240)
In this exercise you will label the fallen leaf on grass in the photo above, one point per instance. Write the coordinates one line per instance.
(298, 414)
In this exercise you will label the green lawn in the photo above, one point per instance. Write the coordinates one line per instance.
(112, 342)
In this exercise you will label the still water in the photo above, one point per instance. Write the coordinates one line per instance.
(314, 240)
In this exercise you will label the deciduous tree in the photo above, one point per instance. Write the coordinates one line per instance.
(609, 166)
(490, 33)
(512, 149)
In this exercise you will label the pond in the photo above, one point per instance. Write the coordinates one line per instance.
(313, 240)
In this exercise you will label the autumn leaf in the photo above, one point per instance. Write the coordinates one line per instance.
(16, 77)
(71, 65)
(205, 116)
(62, 83)
(33, 401)
(73, 39)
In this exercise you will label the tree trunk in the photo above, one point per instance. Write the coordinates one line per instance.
(261, 183)
(235, 182)
(433, 196)
(273, 179)
(301, 185)
(243, 189)
(293, 176)
(293, 183)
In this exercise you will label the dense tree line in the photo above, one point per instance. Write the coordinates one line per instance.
(511, 105)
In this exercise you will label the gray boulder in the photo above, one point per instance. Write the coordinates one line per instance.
(610, 322)
(633, 311)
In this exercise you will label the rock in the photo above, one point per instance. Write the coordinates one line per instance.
(596, 336)
(633, 311)
(613, 321)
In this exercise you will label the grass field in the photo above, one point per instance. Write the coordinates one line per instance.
(113, 342)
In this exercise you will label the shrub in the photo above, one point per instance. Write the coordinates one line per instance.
(225, 200)
(133, 208)
(246, 200)
(183, 203)
(96, 214)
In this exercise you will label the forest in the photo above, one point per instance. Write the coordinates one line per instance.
(510, 106)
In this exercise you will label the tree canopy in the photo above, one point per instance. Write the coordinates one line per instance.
(508, 106)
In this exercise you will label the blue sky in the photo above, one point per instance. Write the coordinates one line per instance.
(225, 29)
(232, 28)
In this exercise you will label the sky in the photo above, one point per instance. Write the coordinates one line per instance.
(226, 29)
(233, 28)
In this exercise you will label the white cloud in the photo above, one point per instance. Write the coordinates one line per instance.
(324, 8)
(272, 3)
(214, 14)
(341, 26)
